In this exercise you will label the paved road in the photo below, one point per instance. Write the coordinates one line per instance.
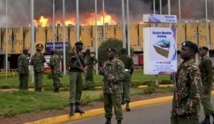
(155, 114)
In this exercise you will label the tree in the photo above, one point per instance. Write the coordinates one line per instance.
(102, 51)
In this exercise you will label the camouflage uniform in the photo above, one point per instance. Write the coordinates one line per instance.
(207, 82)
(38, 61)
(90, 61)
(112, 91)
(23, 71)
(189, 89)
(129, 66)
(75, 77)
(55, 69)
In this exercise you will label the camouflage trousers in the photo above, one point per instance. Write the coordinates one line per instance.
(89, 75)
(115, 101)
(38, 80)
(75, 86)
(126, 87)
(23, 81)
(181, 120)
(56, 81)
(206, 103)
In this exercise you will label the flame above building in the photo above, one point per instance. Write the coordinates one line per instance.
(88, 20)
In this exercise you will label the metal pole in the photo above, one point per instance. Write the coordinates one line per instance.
(123, 24)
(53, 25)
(160, 6)
(77, 21)
(207, 30)
(153, 6)
(104, 32)
(6, 49)
(63, 18)
(169, 7)
(179, 16)
(128, 32)
(96, 44)
(32, 36)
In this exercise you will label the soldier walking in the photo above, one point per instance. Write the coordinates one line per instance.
(129, 68)
(55, 69)
(186, 104)
(205, 67)
(113, 72)
(90, 62)
(76, 68)
(37, 61)
(23, 70)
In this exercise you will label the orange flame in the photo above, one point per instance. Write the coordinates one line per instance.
(88, 20)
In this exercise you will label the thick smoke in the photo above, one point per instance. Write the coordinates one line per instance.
(19, 10)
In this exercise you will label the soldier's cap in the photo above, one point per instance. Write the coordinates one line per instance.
(78, 43)
(39, 46)
(123, 50)
(191, 45)
(203, 47)
(112, 49)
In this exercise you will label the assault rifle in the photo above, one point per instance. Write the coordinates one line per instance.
(175, 91)
(79, 62)
(106, 75)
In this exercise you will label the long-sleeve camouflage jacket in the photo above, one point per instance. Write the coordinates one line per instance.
(23, 64)
(37, 61)
(55, 64)
(189, 89)
(205, 67)
(72, 62)
(115, 69)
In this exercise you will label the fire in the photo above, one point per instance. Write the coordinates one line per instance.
(89, 19)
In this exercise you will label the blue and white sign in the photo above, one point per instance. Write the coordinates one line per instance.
(155, 18)
(58, 46)
(160, 50)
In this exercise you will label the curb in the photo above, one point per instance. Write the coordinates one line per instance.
(95, 112)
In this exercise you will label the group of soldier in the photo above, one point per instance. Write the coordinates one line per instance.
(193, 82)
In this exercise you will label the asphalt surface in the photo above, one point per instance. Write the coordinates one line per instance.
(153, 114)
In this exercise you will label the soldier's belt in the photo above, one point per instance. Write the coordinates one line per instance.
(127, 70)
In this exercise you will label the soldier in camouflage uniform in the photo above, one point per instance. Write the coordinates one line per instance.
(76, 66)
(23, 63)
(90, 62)
(185, 108)
(55, 69)
(114, 72)
(37, 61)
(205, 67)
(129, 68)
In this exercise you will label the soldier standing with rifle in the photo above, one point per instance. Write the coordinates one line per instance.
(129, 68)
(76, 68)
(55, 69)
(23, 63)
(205, 67)
(114, 73)
(186, 104)
(37, 61)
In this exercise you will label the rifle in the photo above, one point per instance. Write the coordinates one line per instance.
(106, 74)
(79, 62)
(175, 91)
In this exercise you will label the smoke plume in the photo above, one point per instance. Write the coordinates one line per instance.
(19, 10)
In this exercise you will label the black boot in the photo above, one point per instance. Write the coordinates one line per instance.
(206, 120)
(119, 122)
(40, 89)
(123, 100)
(71, 109)
(127, 107)
(108, 121)
(56, 90)
(77, 109)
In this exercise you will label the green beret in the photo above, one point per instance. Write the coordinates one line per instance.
(112, 49)
(190, 45)
(203, 47)
(79, 43)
